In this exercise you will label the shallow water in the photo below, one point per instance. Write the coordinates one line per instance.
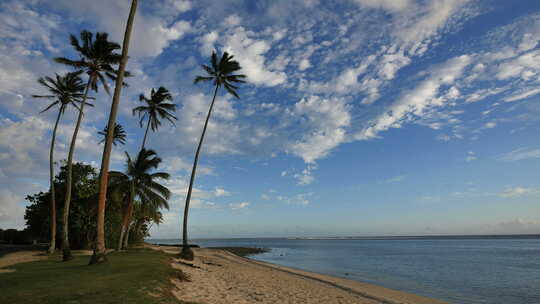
(457, 270)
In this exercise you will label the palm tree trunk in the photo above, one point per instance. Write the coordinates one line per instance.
(99, 252)
(52, 245)
(66, 252)
(124, 224)
(187, 253)
(145, 133)
(126, 239)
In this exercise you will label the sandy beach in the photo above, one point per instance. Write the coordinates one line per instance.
(220, 277)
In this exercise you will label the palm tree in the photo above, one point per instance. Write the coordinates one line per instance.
(221, 73)
(97, 58)
(138, 182)
(65, 90)
(99, 252)
(119, 135)
(155, 108)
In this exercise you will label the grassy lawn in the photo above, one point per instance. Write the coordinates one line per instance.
(128, 277)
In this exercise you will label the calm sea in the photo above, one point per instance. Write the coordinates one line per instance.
(493, 270)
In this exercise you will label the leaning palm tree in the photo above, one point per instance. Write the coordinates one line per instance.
(97, 58)
(99, 252)
(64, 90)
(119, 135)
(222, 73)
(155, 108)
(139, 182)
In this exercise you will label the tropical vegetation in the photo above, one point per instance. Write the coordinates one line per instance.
(64, 90)
(102, 208)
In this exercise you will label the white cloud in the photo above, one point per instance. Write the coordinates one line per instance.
(418, 101)
(22, 145)
(151, 33)
(521, 66)
(522, 95)
(298, 199)
(218, 192)
(265, 196)
(520, 154)
(325, 121)
(236, 206)
(304, 64)
(517, 192)
(490, 125)
(391, 5)
(306, 176)
(222, 135)
(395, 179)
(471, 156)
(417, 29)
(181, 5)
(176, 164)
(11, 211)
(208, 42)
(250, 54)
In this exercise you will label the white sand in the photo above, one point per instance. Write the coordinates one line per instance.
(224, 278)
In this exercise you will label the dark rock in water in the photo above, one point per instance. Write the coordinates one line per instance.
(242, 251)
(179, 245)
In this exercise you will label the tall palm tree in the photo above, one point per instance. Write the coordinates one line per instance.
(119, 135)
(156, 107)
(64, 90)
(222, 73)
(97, 58)
(99, 252)
(139, 182)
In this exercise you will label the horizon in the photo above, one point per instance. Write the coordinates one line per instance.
(396, 118)
(352, 237)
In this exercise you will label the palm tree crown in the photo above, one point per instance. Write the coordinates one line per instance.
(139, 172)
(139, 182)
(119, 135)
(156, 107)
(221, 73)
(65, 90)
(97, 57)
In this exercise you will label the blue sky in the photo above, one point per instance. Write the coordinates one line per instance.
(361, 117)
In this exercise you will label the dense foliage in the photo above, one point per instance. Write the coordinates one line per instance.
(82, 224)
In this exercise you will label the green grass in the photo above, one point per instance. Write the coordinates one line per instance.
(128, 277)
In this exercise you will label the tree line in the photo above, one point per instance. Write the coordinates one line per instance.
(112, 208)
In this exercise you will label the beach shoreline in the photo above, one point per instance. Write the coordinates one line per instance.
(219, 277)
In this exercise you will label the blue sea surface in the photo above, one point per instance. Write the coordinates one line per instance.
(457, 270)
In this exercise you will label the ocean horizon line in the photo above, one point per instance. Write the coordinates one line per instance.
(389, 237)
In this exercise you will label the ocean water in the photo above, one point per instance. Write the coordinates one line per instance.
(460, 270)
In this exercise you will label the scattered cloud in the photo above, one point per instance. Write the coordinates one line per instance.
(520, 154)
(236, 206)
(518, 192)
(395, 179)
(471, 156)
(218, 192)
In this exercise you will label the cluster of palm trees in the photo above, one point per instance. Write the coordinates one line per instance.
(139, 185)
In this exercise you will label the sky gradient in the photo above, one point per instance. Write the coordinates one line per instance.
(360, 117)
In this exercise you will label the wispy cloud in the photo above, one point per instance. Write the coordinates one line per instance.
(518, 192)
(395, 179)
(520, 154)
